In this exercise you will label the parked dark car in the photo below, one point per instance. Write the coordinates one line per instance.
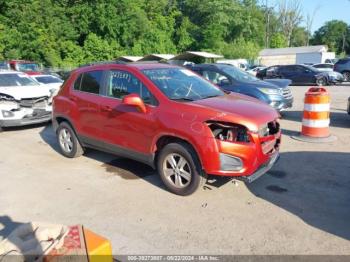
(349, 105)
(301, 75)
(274, 92)
(343, 67)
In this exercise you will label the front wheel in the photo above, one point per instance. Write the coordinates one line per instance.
(180, 169)
(321, 81)
(68, 141)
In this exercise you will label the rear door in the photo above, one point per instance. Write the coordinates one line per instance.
(86, 94)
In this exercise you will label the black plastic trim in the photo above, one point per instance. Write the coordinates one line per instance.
(147, 159)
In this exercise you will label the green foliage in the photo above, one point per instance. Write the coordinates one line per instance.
(299, 37)
(335, 34)
(241, 48)
(278, 40)
(67, 33)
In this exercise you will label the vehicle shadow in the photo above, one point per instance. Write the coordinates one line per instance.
(338, 119)
(113, 165)
(315, 186)
(23, 128)
(127, 169)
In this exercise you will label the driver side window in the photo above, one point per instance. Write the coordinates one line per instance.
(122, 83)
(214, 77)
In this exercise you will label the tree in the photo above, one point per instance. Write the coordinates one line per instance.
(278, 40)
(299, 37)
(289, 16)
(334, 34)
(67, 33)
(309, 22)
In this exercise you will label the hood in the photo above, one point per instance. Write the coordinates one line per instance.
(239, 109)
(55, 86)
(326, 73)
(279, 82)
(21, 92)
(32, 73)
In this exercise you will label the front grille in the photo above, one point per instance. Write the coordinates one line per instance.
(287, 93)
(273, 127)
(38, 102)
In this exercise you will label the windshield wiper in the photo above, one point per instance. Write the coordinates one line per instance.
(182, 99)
(205, 97)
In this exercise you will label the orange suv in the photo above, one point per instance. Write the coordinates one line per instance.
(169, 118)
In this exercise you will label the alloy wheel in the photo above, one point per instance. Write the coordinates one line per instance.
(177, 170)
(66, 141)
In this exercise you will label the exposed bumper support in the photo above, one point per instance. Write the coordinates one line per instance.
(262, 170)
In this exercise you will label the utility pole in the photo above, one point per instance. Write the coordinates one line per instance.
(267, 32)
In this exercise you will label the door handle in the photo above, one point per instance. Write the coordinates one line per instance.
(106, 108)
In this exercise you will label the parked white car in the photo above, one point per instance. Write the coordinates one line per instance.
(52, 83)
(326, 67)
(22, 100)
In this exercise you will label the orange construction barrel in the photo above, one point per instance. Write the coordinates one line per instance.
(316, 113)
(316, 116)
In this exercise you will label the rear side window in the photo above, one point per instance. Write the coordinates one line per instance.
(90, 82)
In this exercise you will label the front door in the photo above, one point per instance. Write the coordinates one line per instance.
(124, 126)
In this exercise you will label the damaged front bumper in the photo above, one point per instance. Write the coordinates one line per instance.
(263, 169)
(24, 116)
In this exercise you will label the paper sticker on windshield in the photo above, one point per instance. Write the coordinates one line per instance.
(188, 72)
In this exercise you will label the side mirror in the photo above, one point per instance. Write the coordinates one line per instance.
(136, 101)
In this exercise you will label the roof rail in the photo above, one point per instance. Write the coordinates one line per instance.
(104, 63)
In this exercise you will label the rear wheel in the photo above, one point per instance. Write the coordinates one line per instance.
(346, 76)
(180, 169)
(68, 141)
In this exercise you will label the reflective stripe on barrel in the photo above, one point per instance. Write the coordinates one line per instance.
(316, 113)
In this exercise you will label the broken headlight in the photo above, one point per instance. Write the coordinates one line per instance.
(8, 102)
(229, 132)
(5, 97)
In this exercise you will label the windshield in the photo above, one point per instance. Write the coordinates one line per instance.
(16, 80)
(182, 84)
(48, 79)
(4, 65)
(28, 67)
(312, 69)
(237, 74)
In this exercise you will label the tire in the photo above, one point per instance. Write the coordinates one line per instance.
(68, 141)
(346, 76)
(321, 81)
(187, 176)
